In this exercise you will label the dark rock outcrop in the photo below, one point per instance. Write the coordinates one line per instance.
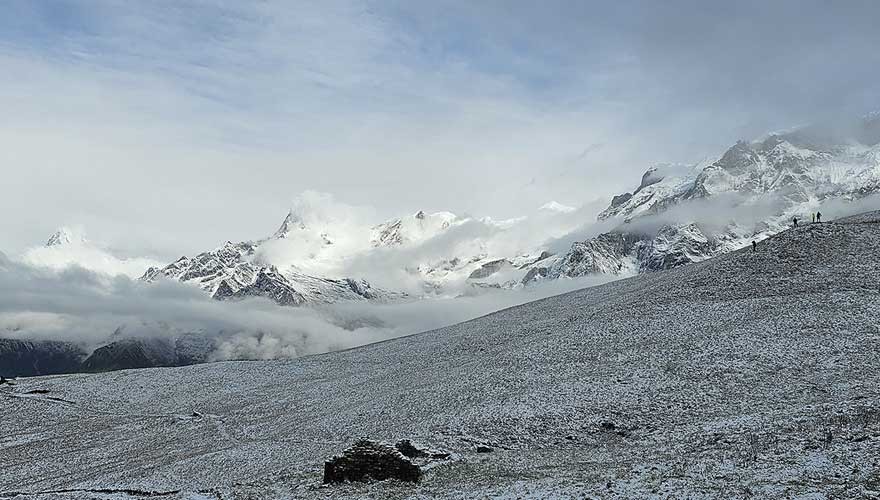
(268, 283)
(620, 199)
(489, 268)
(675, 245)
(369, 460)
(149, 353)
(131, 353)
(409, 450)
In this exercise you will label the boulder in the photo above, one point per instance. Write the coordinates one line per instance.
(369, 460)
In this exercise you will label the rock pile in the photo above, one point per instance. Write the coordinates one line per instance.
(369, 460)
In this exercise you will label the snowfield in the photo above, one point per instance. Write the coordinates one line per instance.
(752, 374)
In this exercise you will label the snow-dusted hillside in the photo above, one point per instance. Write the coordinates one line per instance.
(752, 374)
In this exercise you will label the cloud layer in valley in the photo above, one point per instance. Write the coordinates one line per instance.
(84, 307)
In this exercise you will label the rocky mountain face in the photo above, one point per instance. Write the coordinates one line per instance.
(130, 353)
(783, 176)
(25, 358)
(64, 236)
(241, 270)
(233, 271)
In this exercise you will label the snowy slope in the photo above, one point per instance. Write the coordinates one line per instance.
(749, 374)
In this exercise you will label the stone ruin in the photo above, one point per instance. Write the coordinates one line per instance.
(369, 460)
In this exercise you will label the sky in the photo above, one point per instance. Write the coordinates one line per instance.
(167, 127)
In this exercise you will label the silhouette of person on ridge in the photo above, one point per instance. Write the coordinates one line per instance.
(794, 219)
(814, 216)
(754, 246)
(818, 216)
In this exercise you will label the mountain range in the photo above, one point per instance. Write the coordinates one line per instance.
(676, 215)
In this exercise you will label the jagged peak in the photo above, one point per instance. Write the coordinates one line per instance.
(291, 221)
(65, 236)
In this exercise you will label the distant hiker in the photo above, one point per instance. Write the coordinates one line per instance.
(754, 246)
(818, 216)
(814, 216)
(794, 219)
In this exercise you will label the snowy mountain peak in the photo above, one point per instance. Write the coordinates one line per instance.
(291, 222)
(659, 184)
(68, 247)
(411, 229)
(65, 236)
(756, 187)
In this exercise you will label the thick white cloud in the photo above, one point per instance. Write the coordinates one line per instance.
(74, 249)
(78, 305)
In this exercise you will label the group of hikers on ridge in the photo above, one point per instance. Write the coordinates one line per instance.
(817, 217)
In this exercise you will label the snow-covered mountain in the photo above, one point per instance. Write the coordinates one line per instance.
(677, 214)
(411, 229)
(69, 246)
(310, 258)
(681, 214)
(232, 272)
(65, 236)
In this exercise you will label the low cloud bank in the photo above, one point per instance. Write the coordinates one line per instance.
(87, 308)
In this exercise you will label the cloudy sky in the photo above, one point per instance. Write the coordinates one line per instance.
(167, 127)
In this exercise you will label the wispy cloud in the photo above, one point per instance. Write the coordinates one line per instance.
(172, 126)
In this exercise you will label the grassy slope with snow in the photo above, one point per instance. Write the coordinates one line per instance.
(747, 374)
